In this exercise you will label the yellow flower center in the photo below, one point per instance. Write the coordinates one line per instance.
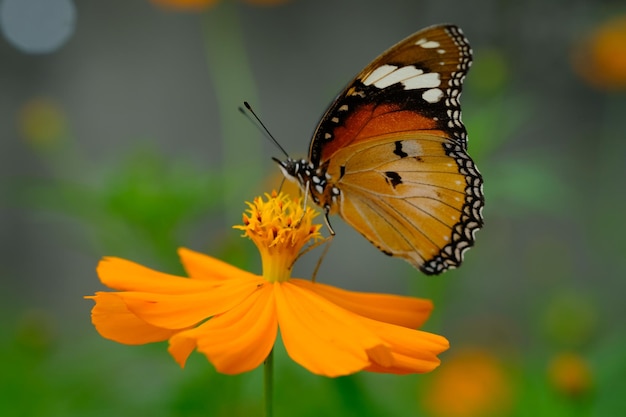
(280, 228)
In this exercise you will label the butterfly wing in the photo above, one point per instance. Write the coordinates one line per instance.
(394, 145)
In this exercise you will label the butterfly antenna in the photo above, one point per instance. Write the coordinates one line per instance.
(264, 128)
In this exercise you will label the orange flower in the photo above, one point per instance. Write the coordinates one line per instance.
(232, 316)
(601, 58)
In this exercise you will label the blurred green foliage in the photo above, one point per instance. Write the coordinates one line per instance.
(141, 201)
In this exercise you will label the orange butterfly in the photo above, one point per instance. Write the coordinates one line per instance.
(390, 153)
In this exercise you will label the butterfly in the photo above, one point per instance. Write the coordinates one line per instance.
(390, 153)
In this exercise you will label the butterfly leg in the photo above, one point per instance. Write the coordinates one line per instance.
(306, 195)
(304, 201)
(282, 182)
(327, 221)
(328, 240)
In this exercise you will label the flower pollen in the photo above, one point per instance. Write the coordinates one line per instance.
(280, 228)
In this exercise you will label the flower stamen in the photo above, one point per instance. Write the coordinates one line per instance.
(280, 228)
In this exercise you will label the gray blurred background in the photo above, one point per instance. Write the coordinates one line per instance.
(132, 78)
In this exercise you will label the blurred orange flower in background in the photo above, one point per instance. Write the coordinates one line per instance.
(570, 374)
(42, 122)
(185, 5)
(232, 316)
(600, 59)
(471, 383)
(199, 5)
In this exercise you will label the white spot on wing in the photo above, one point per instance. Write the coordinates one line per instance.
(379, 73)
(429, 80)
(412, 148)
(433, 95)
(430, 44)
(427, 44)
(401, 75)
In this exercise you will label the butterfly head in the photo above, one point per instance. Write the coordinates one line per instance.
(315, 178)
(294, 170)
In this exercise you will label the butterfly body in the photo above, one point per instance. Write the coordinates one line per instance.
(390, 154)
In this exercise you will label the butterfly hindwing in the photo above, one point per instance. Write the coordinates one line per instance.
(412, 204)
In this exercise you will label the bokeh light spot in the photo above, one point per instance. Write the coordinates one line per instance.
(37, 26)
(185, 5)
(42, 123)
(600, 59)
(470, 383)
(491, 71)
(570, 374)
(570, 319)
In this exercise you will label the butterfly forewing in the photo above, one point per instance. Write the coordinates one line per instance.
(423, 74)
(389, 155)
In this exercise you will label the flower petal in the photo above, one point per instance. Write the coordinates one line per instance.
(114, 321)
(206, 268)
(184, 310)
(412, 351)
(320, 336)
(236, 341)
(124, 275)
(405, 365)
(394, 309)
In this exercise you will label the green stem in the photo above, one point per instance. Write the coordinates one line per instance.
(268, 382)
